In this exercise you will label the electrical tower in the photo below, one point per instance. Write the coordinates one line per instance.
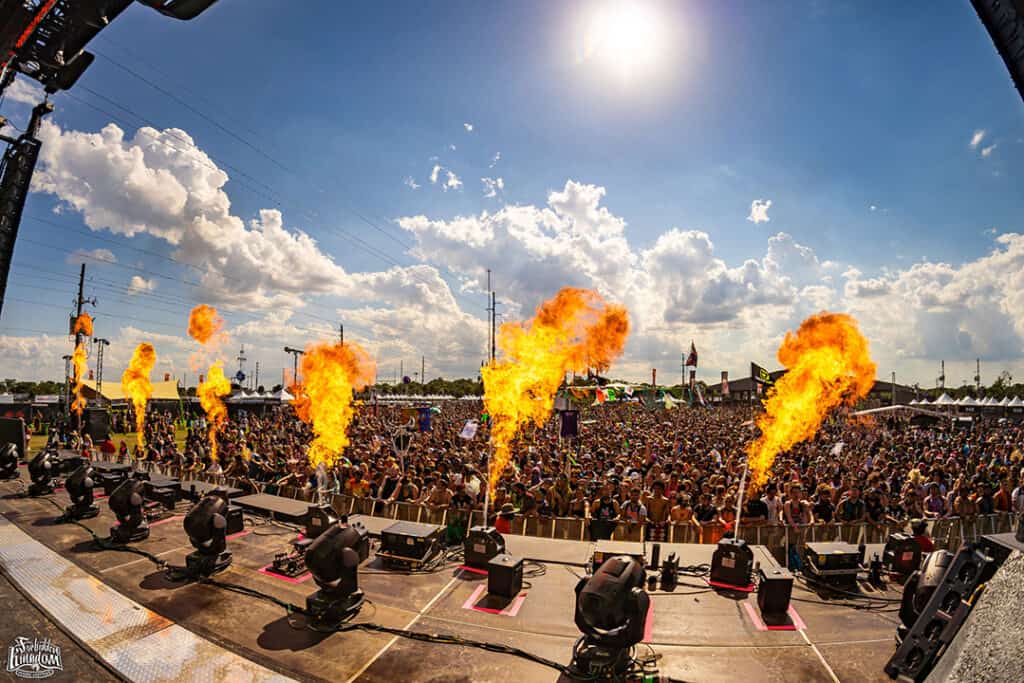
(295, 362)
(100, 343)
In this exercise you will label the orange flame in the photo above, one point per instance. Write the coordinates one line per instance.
(210, 391)
(136, 385)
(203, 323)
(83, 324)
(573, 331)
(828, 364)
(330, 372)
(78, 363)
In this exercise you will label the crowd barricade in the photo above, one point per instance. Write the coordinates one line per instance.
(407, 512)
(433, 515)
(569, 528)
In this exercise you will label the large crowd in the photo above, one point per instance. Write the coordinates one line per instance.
(627, 464)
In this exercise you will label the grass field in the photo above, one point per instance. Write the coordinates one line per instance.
(37, 442)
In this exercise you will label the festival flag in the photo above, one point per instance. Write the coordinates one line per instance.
(700, 396)
(610, 394)
(469, 430)
(601, 396)
(424, 419)
(670, 402)
(691, 360)
(725, 382)
(570, 424)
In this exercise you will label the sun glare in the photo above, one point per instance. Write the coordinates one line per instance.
(625, 38)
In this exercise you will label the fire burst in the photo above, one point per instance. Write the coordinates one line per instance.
(329, 374)
(574, 331)
(827, 364)
(83, 325)
(210, 392)
(135, 384)
(203, 323)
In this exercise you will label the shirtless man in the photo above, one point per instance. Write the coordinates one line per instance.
(658, 507)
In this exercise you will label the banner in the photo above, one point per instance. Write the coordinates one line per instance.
(570, 424)
(725, 382)
(424, 419)
(760, 375)
(691, 360)
(693, 378)
(469, 430)
(670, 402)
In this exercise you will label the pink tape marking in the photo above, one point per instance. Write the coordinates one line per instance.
(510, 611)
(298, 579)
(239, 534)
(649, 625)
(473, 570)
(729, 587)
(797, 625)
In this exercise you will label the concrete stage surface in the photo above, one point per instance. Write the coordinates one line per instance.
(699, 636)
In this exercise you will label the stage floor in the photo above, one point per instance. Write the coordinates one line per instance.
(700, 637)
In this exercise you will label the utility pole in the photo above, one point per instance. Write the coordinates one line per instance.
(490, 317)
(682, 368)
(67, 381)
(241, 362)
(423, 369)
(295, 364)
(494, 336)
(80, 301)
(977, 376)
(100, 343)
(894, 388)
(942, 374)
(256, 380)
(341, 333)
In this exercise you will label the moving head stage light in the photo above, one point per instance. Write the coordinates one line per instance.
(333, 560)
(8, 461)
(42, 469)
(206, 527)
(126, 503)
(79, 487)
(611, 612)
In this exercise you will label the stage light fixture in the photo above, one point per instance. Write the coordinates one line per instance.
(42, 469)
(126, 503)
(333, 560)
(79, 486)
(611, 612)
(918, 589)
(8, 461)
(206, 527)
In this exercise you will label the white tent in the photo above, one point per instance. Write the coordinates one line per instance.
(967, 401)
(944, 400)
(914, 401)
(1015, 403)
(1005, 402)
(282, 395)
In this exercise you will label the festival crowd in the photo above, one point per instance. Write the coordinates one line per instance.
(627, 464)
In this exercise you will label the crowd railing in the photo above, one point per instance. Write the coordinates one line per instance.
(947, 532)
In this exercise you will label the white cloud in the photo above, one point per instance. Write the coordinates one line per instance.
(140, 284)
(452, 182)
(759, 211)
(873, 207)
(495, 160)
(492, 186)
(25, 91)
(434, 173)
(451, 147)
(410, 183)
(159, 183)
(987, 151)
(977, 137)
(468, 127)
(97, 256)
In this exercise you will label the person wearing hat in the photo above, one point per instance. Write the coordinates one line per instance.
(503, 522)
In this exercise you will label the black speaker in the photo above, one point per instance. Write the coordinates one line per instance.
(97, 424)
(732, 563)
(774, 588)
(505, 576)
(12, 430)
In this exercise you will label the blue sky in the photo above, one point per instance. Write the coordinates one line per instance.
(825, 109)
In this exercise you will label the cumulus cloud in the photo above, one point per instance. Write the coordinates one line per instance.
(468, 127)
(160, 183)
(977, 137)
(25, 91)
(495, 160)
(410, 183)
(987, 151)
(492, 186)
(434, 173)
(759, 211)
(140, 284)
(98, 256)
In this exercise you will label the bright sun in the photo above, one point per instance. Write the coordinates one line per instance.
(625, 37)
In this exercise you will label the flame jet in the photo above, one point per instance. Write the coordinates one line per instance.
(574, 330)
(83, 325)
(136, 385)
(210, 393)
(330, 372)
(203, 323)
(828, 364)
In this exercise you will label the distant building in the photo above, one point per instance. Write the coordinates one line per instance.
(744, 390)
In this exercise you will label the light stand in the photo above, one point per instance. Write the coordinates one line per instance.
(333, 560)
(8, 462)
(42, 470)
(79, 487)
(205, 525)
(126, 503)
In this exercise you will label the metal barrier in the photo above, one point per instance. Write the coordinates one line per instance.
(948, 532)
